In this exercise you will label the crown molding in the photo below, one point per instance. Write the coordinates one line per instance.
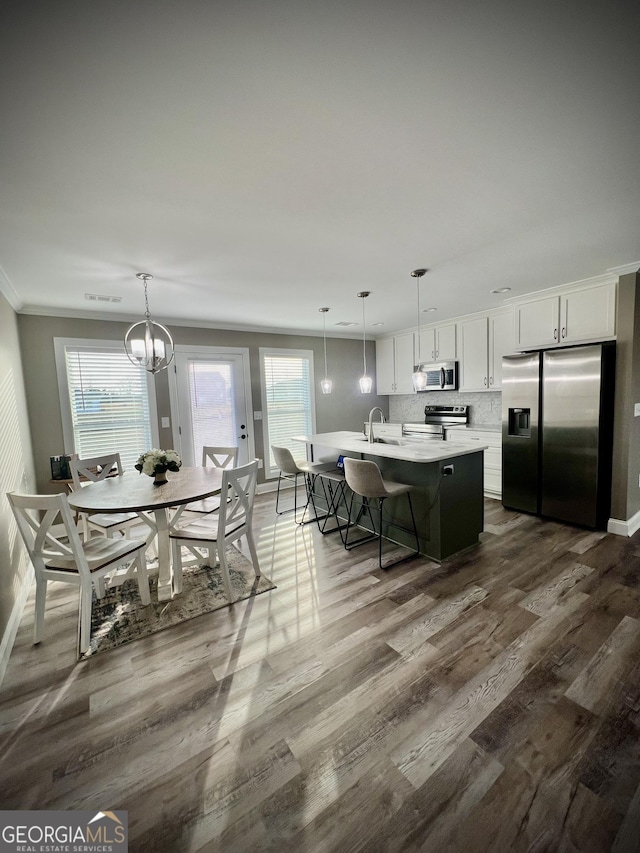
(71, 314)
(625, 269)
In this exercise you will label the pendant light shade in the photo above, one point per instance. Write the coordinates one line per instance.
(326, 385)
(419, 376)
(147, 343)
(365, 382)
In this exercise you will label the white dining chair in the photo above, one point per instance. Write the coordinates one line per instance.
(213, 533)
(58, 553)
(94, 470)
(217, 457)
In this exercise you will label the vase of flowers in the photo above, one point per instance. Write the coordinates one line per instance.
(155, 463)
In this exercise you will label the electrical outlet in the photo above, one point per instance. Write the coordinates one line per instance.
(257, 416)
(447, 471)
(260, 463)
(636, 410)
(166, 423)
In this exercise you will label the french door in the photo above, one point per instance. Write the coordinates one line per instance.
(210, 403)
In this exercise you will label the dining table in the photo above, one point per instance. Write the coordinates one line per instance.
(134, 492)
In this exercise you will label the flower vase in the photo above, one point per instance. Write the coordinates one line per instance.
(159, 478)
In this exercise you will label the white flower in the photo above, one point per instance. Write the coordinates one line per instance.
(156, 461)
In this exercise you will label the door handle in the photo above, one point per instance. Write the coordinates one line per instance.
(442, 377)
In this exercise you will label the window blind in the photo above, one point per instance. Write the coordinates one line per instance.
(288, 390)
(109, 404)
(212, 409)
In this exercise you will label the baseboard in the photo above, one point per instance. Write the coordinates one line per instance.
(624, 528)
(9, 636)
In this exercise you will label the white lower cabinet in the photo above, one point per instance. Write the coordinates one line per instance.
(492, 455)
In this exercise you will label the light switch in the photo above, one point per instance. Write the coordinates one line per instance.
(166, 423)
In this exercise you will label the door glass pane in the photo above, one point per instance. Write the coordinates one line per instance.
(211, 398)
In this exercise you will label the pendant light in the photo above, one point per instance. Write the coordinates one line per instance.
(326, 384)
(147, 343)
(419, 376)
(366, 383)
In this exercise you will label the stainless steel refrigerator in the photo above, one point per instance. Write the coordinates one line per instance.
(557, 433)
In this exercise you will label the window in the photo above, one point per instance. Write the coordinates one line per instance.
(287, 386)
(106, 401)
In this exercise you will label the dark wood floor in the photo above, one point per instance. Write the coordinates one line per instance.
(491, 703)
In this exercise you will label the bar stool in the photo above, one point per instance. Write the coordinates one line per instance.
(291, 470)
(364, 479)
(334, 486)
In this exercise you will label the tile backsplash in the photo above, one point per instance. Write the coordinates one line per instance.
(485, 407)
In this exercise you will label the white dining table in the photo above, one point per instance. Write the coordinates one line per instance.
(133, 492)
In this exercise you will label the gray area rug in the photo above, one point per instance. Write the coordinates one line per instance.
(120, 617)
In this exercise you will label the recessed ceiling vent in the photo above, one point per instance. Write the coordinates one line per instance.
(344, 323)
(96, 297)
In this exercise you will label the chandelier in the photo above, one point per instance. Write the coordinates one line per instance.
(149, 344)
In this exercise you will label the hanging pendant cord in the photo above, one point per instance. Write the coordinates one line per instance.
(324, 335)
(364, 346)
(418, 319)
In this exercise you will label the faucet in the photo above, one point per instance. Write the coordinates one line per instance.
(382, 420)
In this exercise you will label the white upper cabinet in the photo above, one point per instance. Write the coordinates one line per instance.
(438, 343)
(483, 342)
(395, 364)
(585, 314)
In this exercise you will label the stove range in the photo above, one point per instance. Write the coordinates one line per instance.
(436, 420)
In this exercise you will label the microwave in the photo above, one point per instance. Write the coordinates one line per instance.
(442, 376)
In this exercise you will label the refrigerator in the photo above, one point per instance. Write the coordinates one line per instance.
(557, 433)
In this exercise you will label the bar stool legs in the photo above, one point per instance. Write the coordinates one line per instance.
(364, 479)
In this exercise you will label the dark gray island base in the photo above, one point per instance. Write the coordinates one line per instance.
(448, 507)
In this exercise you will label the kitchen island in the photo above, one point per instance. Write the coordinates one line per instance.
(448, 487)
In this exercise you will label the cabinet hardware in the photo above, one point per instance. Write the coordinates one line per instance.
(564, 332)
(555, 334)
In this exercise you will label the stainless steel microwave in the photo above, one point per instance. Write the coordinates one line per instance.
(442, 376)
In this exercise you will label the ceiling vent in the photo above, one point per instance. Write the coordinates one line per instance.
(344, 323)
(96, 297)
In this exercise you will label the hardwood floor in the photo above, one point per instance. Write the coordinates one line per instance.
(491, 703)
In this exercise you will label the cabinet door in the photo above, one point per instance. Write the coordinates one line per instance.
(589, 314)
(404, 364)
(500, 343)
(474, 355)
(445, 342)
(538, 323)
(427, 345)
(385, 372)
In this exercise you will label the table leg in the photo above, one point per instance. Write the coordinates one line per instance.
(165, 574)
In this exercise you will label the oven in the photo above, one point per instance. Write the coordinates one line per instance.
(436, 420)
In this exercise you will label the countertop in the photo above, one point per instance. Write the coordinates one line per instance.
(408, 451)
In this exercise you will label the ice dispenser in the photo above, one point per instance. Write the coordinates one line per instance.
(520, 422)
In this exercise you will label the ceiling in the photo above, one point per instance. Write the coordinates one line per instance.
(266, 159)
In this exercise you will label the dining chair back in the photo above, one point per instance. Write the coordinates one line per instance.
(214, 533)
(57, 552)
(216, 457)
(220, 457)
(94, 469)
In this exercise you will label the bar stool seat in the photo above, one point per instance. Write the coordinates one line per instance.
(365, 479)
(291, 470)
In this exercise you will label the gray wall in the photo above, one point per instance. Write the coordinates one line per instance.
(345, 408)
(16, 471)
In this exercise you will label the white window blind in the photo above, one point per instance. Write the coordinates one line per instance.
(109, 403)
(212, 404)
(289, 401)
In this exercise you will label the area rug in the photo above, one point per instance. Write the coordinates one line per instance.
(120, 617)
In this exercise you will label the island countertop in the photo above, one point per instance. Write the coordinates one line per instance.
(407, 451)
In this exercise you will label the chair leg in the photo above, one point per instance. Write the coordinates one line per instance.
(85, 616)
(363, 539)
(41, 597)
(176, 563)
(415, 533)
(252, 550)
(143, 578)
(224, 570)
